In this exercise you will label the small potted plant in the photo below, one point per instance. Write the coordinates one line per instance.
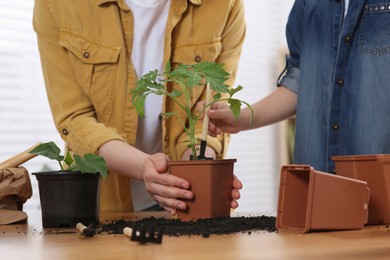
(211, 180)
(71, 194)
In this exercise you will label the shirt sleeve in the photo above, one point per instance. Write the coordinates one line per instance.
(294, 35)
(73, 112)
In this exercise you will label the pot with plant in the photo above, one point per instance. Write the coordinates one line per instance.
(71, 194)
(211, 180)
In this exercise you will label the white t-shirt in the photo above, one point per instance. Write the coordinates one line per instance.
(150, 19)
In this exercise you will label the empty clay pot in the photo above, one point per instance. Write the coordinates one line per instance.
(311, 200)
(211, 182)
(375, 170)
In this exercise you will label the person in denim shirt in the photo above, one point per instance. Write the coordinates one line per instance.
(337, 82)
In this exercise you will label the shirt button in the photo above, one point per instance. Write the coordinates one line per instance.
(347, 39)
(166, 138)
(86, 55)
(335, 126)
(65, 131)
(198, 58)
(340, 82)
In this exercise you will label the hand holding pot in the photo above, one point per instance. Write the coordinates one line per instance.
(165, 188)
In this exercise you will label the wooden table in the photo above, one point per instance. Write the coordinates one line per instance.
(31, 241)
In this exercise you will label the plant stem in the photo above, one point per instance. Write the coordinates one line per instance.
(62, 168)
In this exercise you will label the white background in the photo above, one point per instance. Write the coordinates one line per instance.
(25, 118)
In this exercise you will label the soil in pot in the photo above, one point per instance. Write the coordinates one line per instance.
(68, 198)
(211, 182)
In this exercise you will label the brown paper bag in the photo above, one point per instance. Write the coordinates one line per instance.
(15, 189)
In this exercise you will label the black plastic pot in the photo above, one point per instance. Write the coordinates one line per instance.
(68, 198)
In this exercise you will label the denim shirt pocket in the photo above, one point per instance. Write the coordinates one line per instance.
(195, 53)
(95, 66)
(375, 34)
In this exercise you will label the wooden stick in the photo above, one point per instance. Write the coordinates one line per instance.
(18, 159)
(127, 231)
(206, 119)
(85, 231)
(80, 227)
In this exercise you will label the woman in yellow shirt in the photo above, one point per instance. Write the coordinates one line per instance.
(92, 54)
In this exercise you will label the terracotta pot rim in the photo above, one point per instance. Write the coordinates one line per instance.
(201, 162)
(365, 157)
(62, 173)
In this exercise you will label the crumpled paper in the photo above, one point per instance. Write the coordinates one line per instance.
(15, 190)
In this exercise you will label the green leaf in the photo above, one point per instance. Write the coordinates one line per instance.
(139, 104)
(219, 87)
(181, 71)
(217, 97)
(68, 159)
(235, 106)
(174, 94)
(91, 163)
(167, 67)
(235, 90)
(49, 150)
(194, 80)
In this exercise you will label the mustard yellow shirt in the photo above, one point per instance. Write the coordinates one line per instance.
(85, 48)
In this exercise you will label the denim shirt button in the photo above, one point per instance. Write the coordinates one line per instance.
(335, 127)
(347, 39)
(340, 82)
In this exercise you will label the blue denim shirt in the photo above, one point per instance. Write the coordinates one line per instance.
(340, 68)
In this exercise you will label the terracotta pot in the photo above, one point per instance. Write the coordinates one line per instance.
(211, 182)
(312, 200)
(375, 170)
(68, 198)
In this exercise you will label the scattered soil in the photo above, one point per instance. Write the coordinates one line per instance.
(203, 227)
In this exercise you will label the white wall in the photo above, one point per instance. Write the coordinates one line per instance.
(25, 117)
(258, 151)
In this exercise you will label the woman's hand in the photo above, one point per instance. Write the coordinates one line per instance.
(237, 186)
(165, 188)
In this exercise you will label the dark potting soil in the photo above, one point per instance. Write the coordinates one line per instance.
(203, 227)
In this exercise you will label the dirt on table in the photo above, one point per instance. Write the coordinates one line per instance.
(203, 227)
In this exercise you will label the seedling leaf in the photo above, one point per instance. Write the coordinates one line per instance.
(49, 150)
(235, 106)
(90, 163)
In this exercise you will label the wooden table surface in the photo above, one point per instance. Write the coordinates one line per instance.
(30, 241)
